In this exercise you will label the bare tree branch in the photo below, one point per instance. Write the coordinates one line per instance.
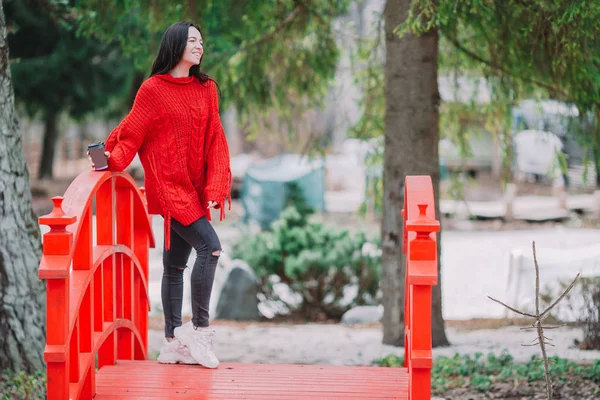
(545, 358)
(525, 328)
(547, 310)
(537, 281)
(512, 309)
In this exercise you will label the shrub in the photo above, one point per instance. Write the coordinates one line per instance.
(481, 373)
(319, 263)
(590, 289)
(583, 302)
(391, 360)
(19, 385)
(295, 197)
(593, 372)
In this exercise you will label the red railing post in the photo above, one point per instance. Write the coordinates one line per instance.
(140, 248)
(105, 210)
(55, 270)
(421, 274)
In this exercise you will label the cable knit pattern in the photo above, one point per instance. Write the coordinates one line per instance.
(175, 127)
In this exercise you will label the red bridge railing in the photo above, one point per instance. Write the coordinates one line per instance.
(420, 247)
(96, 279)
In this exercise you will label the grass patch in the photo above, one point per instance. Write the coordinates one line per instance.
(481, 373)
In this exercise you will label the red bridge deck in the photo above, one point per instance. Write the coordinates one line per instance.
(151, 380)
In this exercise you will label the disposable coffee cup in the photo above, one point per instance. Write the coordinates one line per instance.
(96, 151)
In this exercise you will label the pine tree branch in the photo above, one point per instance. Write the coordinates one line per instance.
(57, 11)
(265, 38)
(501, 69)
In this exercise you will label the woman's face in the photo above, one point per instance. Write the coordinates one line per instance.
(193, 49)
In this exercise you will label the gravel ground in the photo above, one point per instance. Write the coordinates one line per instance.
(337, 344)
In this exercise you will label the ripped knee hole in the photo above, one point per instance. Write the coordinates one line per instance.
(216, 253)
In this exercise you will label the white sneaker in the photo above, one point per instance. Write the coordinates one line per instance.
(200, 343)
(175, 352)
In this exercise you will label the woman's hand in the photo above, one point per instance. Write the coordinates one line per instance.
(212, 204)
(106, 153)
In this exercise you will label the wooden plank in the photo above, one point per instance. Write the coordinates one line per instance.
(238, 396)
(276, 387)
(151, 365)
(134, 382)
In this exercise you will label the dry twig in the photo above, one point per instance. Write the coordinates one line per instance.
(541, 339)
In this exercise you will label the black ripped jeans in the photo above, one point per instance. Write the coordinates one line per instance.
(201, 236)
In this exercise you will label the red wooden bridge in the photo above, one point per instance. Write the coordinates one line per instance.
(97, 310)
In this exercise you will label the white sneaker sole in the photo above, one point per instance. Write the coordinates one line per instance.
(186, 340)
(174, 359)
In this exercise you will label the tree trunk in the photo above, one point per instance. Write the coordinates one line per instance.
(192, 7)
(596, 153)
(84, 140)
(596, 147)
(411, 148)
(22, 295)
(136, 83)
(49, 147)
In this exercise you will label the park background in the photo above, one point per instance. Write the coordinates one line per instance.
(327, 106)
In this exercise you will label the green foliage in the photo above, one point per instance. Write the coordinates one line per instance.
(482, 373)
(318, 262)
(593, 372)
(65, 73)
(481, 382)
(374, 179)
(544, 44)
(458, 119)
(367, 66)
(136, 25)
(517, 50)
(264, 55)
(391, 361)
(17, 386)
(540, 49)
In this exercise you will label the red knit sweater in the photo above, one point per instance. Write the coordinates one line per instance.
(175, 127)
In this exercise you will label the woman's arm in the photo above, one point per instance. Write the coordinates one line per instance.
(125, 140)
(218, 173)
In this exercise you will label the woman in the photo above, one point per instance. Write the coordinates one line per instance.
(175, 127)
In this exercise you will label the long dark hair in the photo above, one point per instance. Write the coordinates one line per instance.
(171, 50)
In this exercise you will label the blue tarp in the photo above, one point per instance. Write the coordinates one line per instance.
(266, 185)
